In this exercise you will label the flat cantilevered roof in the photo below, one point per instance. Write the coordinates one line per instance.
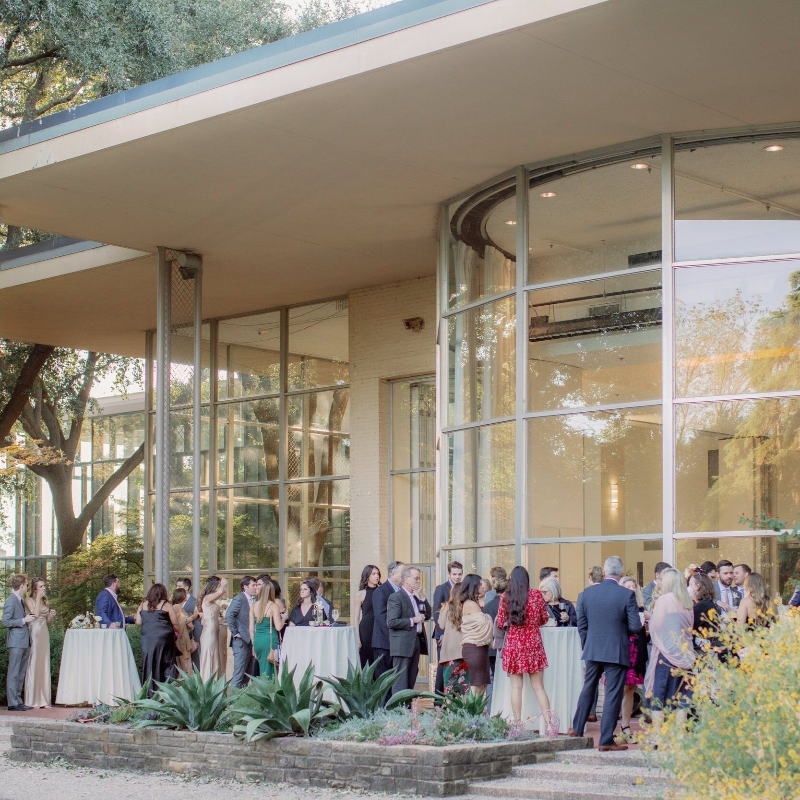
(316, 165)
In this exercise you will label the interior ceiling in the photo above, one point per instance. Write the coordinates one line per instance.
(323, 191)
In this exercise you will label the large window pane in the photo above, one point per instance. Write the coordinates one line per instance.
(737, 200)
(249, 355)
(595, 343)
(734, 459)
(413, 424)
(251, 522)
(595, 221)
(737, 328)
(481, 256)
(479, 560)
(116, 436)
(319, 345)
(248, 441)
(574, 561)
(181, 377)
(777, 562)
(481, 363)
(319, 438)
(318, 524)
(481, 472)
(595, 474)
(414, 517)
(181, 456)
(181, 522)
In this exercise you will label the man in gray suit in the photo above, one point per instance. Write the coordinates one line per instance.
(607, 616)
(238, 618)
(647, 591)
(16, 619)
(406, 613)
(193, 612)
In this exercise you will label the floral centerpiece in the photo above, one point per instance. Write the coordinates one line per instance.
(85, 621)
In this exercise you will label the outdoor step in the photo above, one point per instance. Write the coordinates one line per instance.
(620, 758)
(582, 771)
(549, 789)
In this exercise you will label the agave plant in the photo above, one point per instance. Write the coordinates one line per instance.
(189, 702)
(361, 694)
(273, 708)
(467, 703)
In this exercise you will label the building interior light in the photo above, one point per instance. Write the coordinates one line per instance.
(614, 495)
(511, 222)
(773, 148)
(640, 165)
(547, 194)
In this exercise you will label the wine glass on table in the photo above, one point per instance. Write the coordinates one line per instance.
(335, 615)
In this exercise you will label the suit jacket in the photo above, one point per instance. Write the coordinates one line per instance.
(647, 593)
(607, 617)
(327, 605)
(110, 611)
(440, 596)
(380, 631)
(402, 633)
(190, 606)
(238, 618)
(14, 611)
(718, 591)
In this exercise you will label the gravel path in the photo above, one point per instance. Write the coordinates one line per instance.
(61, 781)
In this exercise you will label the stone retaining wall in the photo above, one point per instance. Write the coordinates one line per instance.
(438, 771)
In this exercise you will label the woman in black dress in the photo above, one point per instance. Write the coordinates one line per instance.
(365, 615)
(159, 624)
(304, 613)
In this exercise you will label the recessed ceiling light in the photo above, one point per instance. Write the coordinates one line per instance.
(773, 148)
(639, 165)
(511, 222)
(547, 194)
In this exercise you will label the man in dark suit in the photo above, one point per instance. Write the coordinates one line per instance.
(406, 613)
(455, 573)
(238, 619)
(595, 577)
(607, 616)
(380, 631)
(193, 612)
(647, 591)
(725, 590)
(107, 607)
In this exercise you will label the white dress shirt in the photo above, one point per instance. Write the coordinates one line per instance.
(415, 605)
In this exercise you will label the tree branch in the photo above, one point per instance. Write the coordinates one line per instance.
(9, 42)
(22, 389)
(71, 444)
(32, 59)
(31, 423)
(59, 101)
(104, 492)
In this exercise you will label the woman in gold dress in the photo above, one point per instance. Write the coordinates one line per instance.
(37, 679)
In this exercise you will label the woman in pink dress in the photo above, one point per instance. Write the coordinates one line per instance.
(522, 612)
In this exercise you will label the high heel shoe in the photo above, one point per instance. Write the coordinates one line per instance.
(552, 723)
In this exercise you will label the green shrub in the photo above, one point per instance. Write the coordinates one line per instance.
(270, 708)
(188, 703)
(468, 703)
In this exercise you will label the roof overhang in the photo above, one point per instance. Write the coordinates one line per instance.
(316, 166)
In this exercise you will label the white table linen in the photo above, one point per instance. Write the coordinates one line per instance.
(563, 680)
(329, 649)
(97, 665)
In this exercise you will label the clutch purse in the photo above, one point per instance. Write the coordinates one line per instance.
(499, 637)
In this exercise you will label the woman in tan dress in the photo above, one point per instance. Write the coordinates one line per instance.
(185, 644)
(210, 652)
(37, 679)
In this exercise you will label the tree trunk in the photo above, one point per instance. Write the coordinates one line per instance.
(22, 389)
(13, 237)
(70, 534)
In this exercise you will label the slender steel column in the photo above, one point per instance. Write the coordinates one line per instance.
(147, 538)
(196, 422)
(163, 326)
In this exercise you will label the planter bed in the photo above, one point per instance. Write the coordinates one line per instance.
(410, 769)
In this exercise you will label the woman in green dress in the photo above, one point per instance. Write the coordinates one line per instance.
(266, 621)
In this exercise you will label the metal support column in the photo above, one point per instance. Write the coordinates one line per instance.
(162, 349)
(197, 472)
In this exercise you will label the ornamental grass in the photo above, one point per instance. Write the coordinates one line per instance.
(742, 734)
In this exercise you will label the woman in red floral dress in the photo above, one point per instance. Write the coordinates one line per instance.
(522, 612)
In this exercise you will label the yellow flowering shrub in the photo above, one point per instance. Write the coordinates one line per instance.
(742, 736)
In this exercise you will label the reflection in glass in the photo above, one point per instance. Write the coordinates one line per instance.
(777, 562)
(181, 456)
(479, 560)
(318, 345)
(414, 517)
(481, 256)
(737, 328)
(481, 483)
(319, 438)
(318, 524)
(734, 459)
(595, 474)
(181, 373)
(252, 524)
(414, 424)
(249, 355)
(481, 362)
(599, 220)
(594, 343)
(248, 441)
(575, 560)
(737, 200)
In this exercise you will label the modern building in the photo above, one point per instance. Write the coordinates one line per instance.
(508, 281)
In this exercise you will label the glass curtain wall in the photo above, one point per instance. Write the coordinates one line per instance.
(276, 489)
(562, 444)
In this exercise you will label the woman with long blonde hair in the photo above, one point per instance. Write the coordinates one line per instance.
(38, 693)
(266, 623)
(756, 608)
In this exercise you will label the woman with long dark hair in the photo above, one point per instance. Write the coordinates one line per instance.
(522, 612)
(476, 633)
(304, 612)
(159, 624)
(364, 613)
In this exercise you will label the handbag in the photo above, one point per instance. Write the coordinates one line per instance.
(274, 655)
(499, 637)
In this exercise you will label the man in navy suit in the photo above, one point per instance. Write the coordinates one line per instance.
(380, 630)
(441, 595)
(107, 606)
(607, 617)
